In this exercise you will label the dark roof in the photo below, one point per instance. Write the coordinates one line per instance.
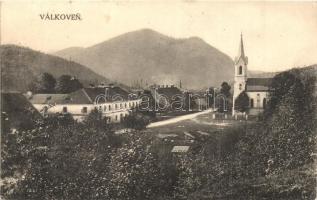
(169, 91)
(112, 94)
(82, 96)
(258, 84)
(49, 99)
(17, 108)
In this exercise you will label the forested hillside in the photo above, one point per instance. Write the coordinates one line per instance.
(20, 66)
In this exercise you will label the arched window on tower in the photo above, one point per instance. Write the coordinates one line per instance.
(240, 70)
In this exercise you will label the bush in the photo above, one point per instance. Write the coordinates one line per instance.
(242, 102)
(136, 120)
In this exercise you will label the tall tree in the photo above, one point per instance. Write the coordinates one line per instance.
(66, 84)
(225, 89)
(43, 83)
(242, 102)
(290, 117)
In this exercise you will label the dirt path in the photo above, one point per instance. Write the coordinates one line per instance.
(178, 119)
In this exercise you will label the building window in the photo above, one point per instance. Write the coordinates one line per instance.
(116, 117)
(84, 110)
(125, 105)
(120, 105)
(100, 108)
(129, 104)
(264, 103)
(105, 108)
(240, 70)
(251, 103)
(64, 109)
(121, 116)
(240, 86)
(116, 106)
(109, 107)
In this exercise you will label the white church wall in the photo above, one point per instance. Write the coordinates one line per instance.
(258, 98)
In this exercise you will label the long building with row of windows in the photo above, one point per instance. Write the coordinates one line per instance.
(114, 102)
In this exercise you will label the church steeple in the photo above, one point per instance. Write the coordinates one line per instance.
(241, 49)
(241, 54)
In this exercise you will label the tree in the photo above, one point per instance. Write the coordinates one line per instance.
(43, 83)
(242, 102)
(134, 171)
(66, 84)
(136, 120)
(290, 119)
(95, 120)
(225, 89)
(61, 161)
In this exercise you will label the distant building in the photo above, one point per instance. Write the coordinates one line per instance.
(167, 97)
(257, 89)
(114, 102)
(180, 149)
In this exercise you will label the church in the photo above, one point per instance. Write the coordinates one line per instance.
(257, 89)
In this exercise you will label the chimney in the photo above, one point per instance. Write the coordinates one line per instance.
(106, 93)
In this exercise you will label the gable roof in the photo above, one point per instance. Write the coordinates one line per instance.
(111, 94)
(49, 99)
(258, 84)
(82, 96)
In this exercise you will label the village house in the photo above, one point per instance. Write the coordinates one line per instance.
(114, 102)
(167, 97)
(257, 89)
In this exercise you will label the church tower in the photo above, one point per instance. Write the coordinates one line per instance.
(240, 72)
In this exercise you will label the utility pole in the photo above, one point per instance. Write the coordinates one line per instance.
(214, 98)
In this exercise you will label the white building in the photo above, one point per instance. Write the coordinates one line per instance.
(257, 89)
(114, 102)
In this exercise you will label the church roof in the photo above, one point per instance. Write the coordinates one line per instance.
(258, 84)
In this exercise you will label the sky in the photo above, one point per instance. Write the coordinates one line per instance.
(277, 36)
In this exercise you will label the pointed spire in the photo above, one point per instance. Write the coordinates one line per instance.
(241, 47)
(241, 54)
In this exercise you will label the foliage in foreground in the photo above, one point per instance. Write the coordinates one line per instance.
(271, 159)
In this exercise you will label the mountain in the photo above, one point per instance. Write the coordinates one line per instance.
(20, 65)
(148, 57)
(261, 74)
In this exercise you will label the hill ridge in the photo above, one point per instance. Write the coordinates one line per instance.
(21, 64)
(156, 58)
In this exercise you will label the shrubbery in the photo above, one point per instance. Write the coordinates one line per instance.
(269, 159)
